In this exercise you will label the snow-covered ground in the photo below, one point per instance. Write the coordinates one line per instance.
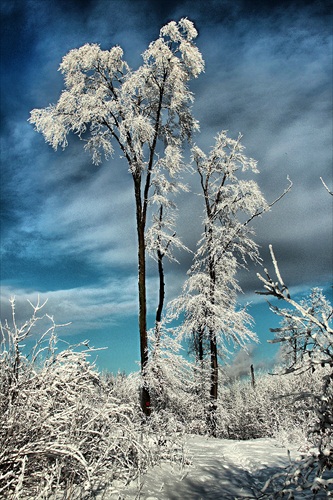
(219, 469)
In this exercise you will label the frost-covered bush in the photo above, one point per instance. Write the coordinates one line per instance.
(62, 432)
(174, 384)
(125, 388)
(268, 409)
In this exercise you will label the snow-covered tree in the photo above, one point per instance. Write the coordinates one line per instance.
(314, 347)
(161, 238)
(209, 299)
(296, 342)
(166, 369)
(144, 112)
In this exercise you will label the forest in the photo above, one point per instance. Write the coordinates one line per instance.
(70, 431)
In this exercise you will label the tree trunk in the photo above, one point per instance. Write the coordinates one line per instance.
(161, 292)
(161, 287)
(212, 334)
(145, 396)
(214, 369)
(200, 347)
(253, 381)
(213, 385)
(201, 362)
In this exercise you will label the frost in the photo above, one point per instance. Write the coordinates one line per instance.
(307, 348)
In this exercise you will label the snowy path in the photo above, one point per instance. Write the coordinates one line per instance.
(220, 469)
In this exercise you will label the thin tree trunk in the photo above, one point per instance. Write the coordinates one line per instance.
(200, 347)
(214, 369)
(200, 351)
(156, 353)
(161, 287)
(145, 396)
(294, 348)
(213, 386)
(212, 334)
(213, 353)
(253, 381)
(161, 290)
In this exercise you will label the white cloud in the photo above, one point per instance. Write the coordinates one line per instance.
(86, 308)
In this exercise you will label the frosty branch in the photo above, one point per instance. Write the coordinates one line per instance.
(279, 290)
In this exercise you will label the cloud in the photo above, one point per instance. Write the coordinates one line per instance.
(95, 219)
(267, 76)
(240, 365)
(269, 79)
(86, 308)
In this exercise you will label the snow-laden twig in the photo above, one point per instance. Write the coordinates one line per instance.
(307, 330)
(326, 187)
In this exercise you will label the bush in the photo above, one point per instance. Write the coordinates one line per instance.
(268, 409)
(62, 432)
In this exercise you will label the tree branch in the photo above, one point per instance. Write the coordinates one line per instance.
(325, 186)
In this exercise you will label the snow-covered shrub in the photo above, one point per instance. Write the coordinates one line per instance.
(125, 388)
(267, 410)
(61, 430)
(174, 385)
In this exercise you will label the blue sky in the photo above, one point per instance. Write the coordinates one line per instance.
(68, 228)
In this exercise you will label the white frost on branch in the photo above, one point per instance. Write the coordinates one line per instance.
(145, 113)
(105, 101)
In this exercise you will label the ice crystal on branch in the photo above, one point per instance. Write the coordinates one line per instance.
(307, 328)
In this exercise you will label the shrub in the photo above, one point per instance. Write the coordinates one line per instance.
(268, 409)
(62, 432)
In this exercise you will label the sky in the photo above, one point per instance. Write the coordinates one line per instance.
(68, 227)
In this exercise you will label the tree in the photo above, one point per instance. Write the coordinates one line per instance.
(166, 370)
(161, 238)
(315, 333)
(209, 300)
(144, 112)
(295, 333)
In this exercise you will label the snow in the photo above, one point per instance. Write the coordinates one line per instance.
(216, 469)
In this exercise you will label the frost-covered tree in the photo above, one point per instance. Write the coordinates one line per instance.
(296, 334)
(166, 370)
(209, 298)
(146, 113)
(314, 331)
(161, 238)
